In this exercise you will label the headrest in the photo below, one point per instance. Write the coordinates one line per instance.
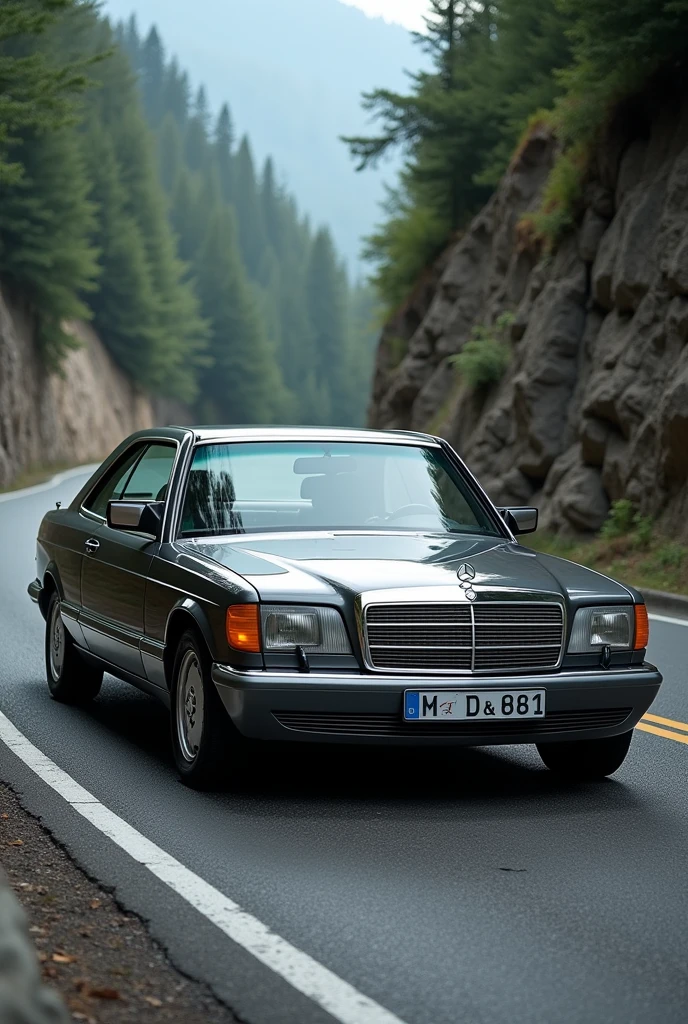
(311, 486)
(315, 487)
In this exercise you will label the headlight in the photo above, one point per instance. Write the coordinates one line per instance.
(595, 628)
(317, 630)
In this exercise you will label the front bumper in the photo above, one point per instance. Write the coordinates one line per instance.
(367, 709)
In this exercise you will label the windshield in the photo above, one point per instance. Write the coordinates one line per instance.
(289, 486)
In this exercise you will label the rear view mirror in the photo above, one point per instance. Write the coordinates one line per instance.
(135, 516)
(520, 520)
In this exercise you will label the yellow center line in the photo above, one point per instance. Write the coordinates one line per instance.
(655, 729)
(681, 726)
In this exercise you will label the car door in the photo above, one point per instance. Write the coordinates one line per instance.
(77, 534)
(115, 570)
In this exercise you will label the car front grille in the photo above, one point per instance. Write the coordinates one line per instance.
(462, 638)
(340, 723)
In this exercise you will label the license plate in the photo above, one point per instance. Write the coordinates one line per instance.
(472, 705)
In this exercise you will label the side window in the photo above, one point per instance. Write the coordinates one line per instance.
(111, 488)
(152, 474)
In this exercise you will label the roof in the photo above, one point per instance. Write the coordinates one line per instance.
(352, 434)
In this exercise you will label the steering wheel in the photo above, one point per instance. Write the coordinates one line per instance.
(409, 510)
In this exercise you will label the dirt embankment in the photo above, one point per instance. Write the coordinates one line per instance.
(69, 418)
(594, 405)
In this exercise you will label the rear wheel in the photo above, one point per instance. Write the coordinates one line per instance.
(586, 760)
(203, 736)
(70, 679)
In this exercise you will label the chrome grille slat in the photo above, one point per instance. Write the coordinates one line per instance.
(455, 637)
(421, 647)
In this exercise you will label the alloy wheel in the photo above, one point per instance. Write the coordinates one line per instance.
(56, 642)
(189, 706)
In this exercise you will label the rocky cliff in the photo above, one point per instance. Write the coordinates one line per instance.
(75, 417)
(594, 405)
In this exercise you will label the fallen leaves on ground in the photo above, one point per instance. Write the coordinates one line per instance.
(60, 957)
(103, 992)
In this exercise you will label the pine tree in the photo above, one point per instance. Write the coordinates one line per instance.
(177, 304)
(252, 238)
(223, 152)
(196, 145)
(128, 38)
(207, 199)
(36, 93)
(170, 152)
(45, 215)
(45, 223)
(327, 315)
(125, 307)
(243, 385)
(183, 216)
(152, 65)
(272, 211)
(176, 93)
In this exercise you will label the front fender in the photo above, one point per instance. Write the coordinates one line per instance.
(179, 615)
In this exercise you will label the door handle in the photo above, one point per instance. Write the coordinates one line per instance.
(92, 546)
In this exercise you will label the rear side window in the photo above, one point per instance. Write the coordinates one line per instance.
(151, 475)
(111, 488)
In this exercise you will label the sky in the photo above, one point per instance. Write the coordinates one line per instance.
(405, 12)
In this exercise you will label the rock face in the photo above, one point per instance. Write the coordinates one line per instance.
(594, 406)
(75, 417)
(23, 997)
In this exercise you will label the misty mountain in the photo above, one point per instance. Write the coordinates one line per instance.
(293, 72)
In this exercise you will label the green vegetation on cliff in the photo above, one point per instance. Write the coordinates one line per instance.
(497, 67)
(127, 201)
(629, 547)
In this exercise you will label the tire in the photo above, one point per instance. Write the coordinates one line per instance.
(202, 732)
(70, 679)
(586, 760)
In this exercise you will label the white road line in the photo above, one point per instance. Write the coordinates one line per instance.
(48, 484)
(668, 618)
(333, 994)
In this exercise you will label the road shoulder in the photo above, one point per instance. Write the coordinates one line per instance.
(99, 957)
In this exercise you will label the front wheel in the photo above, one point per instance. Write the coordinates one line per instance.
(201, 730)
(70, 679)
(586, 760)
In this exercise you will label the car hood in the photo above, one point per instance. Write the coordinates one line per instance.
(334, 567)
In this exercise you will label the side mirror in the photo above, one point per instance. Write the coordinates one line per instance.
(520, 520)
(136, 516)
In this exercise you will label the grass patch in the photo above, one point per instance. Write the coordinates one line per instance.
(485, 357)
(562, 200)
(397, 348)
(639, 557)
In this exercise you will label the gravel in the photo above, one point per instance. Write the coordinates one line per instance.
(100, 958)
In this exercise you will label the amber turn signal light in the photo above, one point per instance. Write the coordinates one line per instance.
(642, 628)
(243, 627)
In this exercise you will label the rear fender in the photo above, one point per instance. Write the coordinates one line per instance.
(52, 583)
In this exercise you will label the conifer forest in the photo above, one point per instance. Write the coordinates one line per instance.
(127, 201)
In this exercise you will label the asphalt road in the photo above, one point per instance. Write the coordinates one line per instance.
(469, 886)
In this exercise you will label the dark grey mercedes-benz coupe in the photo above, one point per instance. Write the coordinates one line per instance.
(333, 585)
